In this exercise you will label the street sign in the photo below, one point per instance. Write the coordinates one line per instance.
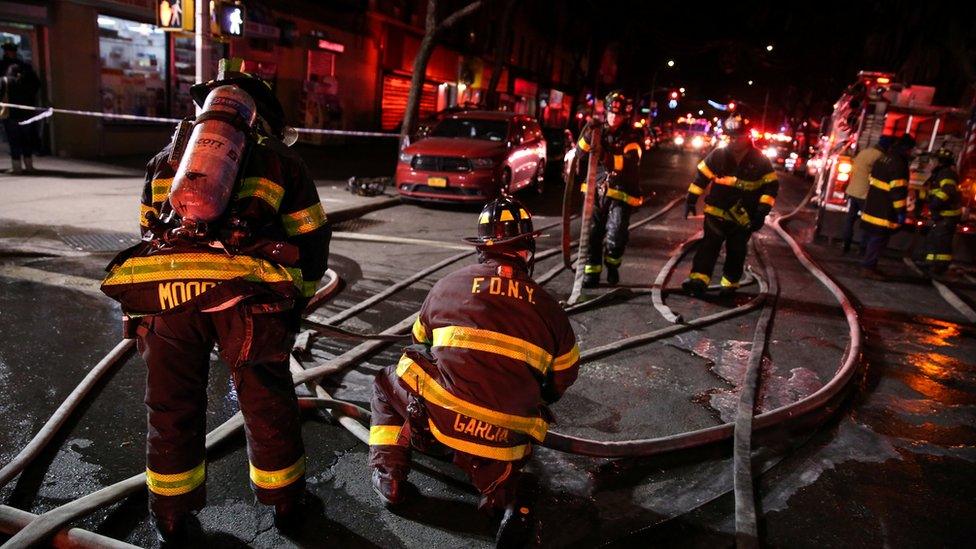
(176, 15)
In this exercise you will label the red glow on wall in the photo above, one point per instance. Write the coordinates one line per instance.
(394, 104)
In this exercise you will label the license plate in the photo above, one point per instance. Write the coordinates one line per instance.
(437, 181)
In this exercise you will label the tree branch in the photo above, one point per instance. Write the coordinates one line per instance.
(459, 14)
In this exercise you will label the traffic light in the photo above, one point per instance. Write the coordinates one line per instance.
(229, 17)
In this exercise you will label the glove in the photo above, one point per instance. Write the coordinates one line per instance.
(760, 219)
(690, 207)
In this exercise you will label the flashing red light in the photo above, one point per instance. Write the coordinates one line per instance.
(579, 115)
(731, 105)
(883, 80)
(965, 229)
(843, 176)
(674, 95)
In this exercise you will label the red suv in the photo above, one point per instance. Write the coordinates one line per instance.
(472, 156)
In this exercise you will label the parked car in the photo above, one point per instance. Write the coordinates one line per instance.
(473, 156)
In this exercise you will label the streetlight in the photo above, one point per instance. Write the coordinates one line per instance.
(750, 82)
(670, 62)
(682, 90)
(769, 47)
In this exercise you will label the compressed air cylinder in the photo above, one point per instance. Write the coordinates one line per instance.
(208, 169)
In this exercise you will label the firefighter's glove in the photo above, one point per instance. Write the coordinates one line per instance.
(760, 218)
(691, 205)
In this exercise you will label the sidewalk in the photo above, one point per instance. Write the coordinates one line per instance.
(71, 196)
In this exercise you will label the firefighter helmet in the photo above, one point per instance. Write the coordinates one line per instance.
(503, 222)
(231, 72)
(734, 125)
(944, 156)
(618, 103)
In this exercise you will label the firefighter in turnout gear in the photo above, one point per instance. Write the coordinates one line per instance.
(884, 207)
(618, 188)
(945, 207)
(239, 280)
(743, 191)
(491, 350)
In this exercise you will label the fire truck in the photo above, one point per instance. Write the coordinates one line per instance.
(876, 105)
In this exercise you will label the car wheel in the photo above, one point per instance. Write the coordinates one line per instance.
(540, 177)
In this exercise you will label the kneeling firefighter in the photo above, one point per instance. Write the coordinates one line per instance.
(743, 191)
(234, 242)
(945, 207)
(618, 188)
(491, 350)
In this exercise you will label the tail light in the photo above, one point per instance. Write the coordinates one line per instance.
(842, 174)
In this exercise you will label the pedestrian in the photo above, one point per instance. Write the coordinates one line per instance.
(857, 187)
(618, 188)
(884, 206)
(743, 192)
(20, 86)
(945, 207)
(491, 351)
(240, 281)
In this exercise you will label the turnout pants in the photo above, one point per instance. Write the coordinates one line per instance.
(876, 240)
(392, 435)
(938, 245)
(254, 342)
(611, 218)
(717, 232)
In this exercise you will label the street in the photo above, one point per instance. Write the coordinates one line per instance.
(892, 464)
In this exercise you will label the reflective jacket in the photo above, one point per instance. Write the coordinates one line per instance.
(861, 172)
(885, 202)
(738, 189)
(277, 200)
(620, 154)
(945, 201)
(503, 347)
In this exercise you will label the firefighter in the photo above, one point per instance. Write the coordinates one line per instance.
(240, 280)
(743, 191)
(945, 207)
(884, 207)
(491, 351)
(618, 188)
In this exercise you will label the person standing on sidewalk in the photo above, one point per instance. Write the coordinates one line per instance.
(20, 85)
(241, 281)
(884, 206)
(857, 188)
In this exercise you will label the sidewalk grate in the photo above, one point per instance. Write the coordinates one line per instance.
(356, 225)
(101, 242)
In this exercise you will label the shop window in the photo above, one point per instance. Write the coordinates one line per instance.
(133, 61)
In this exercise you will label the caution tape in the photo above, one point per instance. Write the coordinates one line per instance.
(47, 112)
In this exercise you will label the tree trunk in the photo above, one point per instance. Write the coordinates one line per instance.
(502, 51)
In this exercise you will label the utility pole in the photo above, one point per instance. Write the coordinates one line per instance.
(765, 105)
(203, 42)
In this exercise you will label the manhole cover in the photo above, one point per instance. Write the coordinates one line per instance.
(355, 225)
(100, 242)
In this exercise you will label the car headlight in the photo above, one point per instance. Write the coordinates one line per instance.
(697, 142)
(771, 152)
(482, 163)
(679, 141)
(406, 157)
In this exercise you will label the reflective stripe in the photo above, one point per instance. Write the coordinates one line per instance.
(384, 435)
(940, 194)
(939, 257)
(950, 213)
(617, 194)
(726, 283)
(177, 483)
(768, 199)
(309, 287)
(484, 218)
(769, 177)
(160, 189)
(700, 276)
(265, 189)
(592, 269)
(196, 266)
(583, 188)
(143, 210)
(615, 261)
(717, 212)
(271, 480)
(304, 221)
(703, 168)
(895, 183)
(879, 184)
(506, 216)
(420, 382)
(867, 218)
(583, 145)
(898, 204)
(618, 162)
(946, 181)
(511, 453)
(461, 337)
(634, 147)
(419, 332)
(567, 360)
(743, 184)
(695, 189)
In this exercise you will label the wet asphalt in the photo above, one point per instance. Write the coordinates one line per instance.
(893, 466)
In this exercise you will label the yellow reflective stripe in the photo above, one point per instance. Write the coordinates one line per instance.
(695, 189)
(271, 480)
(309, 287)
(634, 147)
(427, 387)
(947, 181)
(143, 210)
(384, 435)
(160, 189)
(461, 337)
(879, 184)
(703, 168)
(583, 188)
(265, 189)
(583, 145)
(592, 269)
(506, 216)
(700, 276)
(768, 199)
(195, 266)
(726, 283)
(878, 221)
(618, 162)
(940, 194)
(419, 332)
(304, 221)
(177, 483)
(950, 213)
(939, 257)
(718, 212)
(768, 178)
(511, 453)
(567, 360)
(617, 194)
(484, 218)
(744, 184)
(615, 261)
(895, 183)
(898, 204)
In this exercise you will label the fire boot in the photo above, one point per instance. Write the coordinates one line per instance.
(16, 167)
(516, 527)
(390, 485)
(29, 163)
(613, 275)
(171, 531)
(694, 287)
(288, 515)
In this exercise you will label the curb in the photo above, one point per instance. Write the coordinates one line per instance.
(345, 214)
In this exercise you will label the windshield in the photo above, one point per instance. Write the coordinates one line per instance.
(471, 128)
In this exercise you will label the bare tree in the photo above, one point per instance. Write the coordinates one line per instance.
(432, 29)
(502, 50)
